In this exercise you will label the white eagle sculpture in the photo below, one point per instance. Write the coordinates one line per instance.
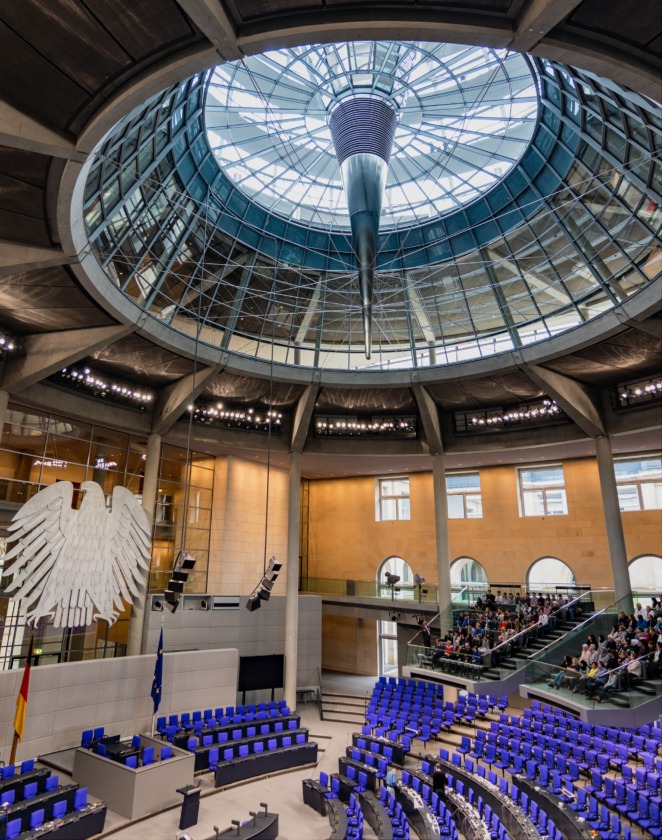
(76, 566)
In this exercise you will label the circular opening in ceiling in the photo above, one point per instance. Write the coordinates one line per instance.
(465, 116)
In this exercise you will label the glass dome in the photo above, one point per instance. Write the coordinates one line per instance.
(569, 232)
(465, 116)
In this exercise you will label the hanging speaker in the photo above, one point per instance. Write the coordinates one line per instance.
(253, 603)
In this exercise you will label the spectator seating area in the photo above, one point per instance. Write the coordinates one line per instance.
(497, 632)
(33, 796)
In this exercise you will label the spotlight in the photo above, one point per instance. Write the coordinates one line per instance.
(157, 606)
(391, 579)
(419, 580)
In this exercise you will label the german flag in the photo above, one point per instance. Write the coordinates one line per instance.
(22, 699)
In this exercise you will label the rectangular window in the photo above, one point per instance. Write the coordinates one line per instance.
(639, 483)
(542, 491)
(464, 499)
(392, 499)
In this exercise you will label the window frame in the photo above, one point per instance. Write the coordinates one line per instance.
(544, 489)
(635, 482)
(464, 494)
(381, 498)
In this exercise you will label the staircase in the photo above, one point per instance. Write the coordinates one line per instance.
(343, 708)
(519, 657)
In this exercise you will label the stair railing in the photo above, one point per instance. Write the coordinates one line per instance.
(531, 630)
(574, 630)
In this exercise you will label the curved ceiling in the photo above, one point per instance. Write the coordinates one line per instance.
(71, 70)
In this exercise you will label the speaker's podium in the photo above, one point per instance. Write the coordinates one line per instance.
(190, 806)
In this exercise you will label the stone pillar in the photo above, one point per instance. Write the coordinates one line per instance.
(441, 533)
(613, 522)
(139, 616)
(292, 581)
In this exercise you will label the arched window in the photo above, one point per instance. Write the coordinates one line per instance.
(395, 566)
(646, 574)
(546, 573)
(468, 580)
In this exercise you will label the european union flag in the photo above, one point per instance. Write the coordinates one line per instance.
(158, 675)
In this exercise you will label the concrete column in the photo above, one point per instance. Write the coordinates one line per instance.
(139, 616)
(441, 533)
(292, 581)
(4, 400)
(612, 512)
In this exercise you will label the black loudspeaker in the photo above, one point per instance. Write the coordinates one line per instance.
(262, 591)
(253, 603)
(183, 565)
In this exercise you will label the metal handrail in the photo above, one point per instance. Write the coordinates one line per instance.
(574, 629)
(418, 632)
(530, 629)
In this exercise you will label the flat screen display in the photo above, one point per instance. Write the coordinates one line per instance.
(257, 672)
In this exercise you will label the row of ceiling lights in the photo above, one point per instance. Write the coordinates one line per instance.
(641, 391)
(249, 418)
(355, 426)
(102, 387)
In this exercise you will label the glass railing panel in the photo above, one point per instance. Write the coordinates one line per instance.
(614, 689)
(424, 594)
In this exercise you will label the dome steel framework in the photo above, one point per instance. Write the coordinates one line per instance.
(569, 232)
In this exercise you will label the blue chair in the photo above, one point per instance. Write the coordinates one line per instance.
(292, 724)
(207, 740)
(213, 758)
(30, 791)
(161, 725)
(287, 741)
(228, 754)
(223, 737)
(101, 750)
(301, 738)
(52, 782)
(191, 744)
(258, 747)
(98, 733)
(8, 797)
(27, 766)
(148, 756)
(272, 744)
(59, 809)
(13, 829)
(7, 772)
(132, 761)
(86, 738)
(166, 753)
(186, 720)
(243, 750)
(135, 742)
(80, 799)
